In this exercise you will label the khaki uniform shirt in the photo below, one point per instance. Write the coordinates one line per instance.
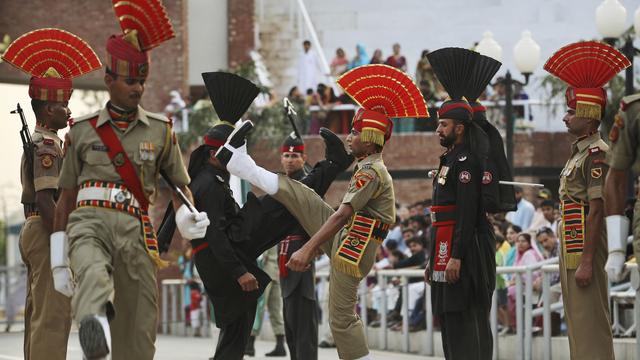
(47, 161)
(625, 136)
(371, 189)
(148, 141)
(582, 178)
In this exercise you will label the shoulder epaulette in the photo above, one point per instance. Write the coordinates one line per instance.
(628, 100)
(597, 147)
(85, 117)
(157, 116)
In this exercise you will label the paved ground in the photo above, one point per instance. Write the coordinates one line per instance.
(183, 348)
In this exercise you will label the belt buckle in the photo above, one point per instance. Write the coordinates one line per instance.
(123, 197)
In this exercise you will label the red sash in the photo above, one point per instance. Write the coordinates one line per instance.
(283, 256)
(127, 172)
(444, 236)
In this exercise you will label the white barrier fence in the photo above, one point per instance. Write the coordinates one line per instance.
(525, 312)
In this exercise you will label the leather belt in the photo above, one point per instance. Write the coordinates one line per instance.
(442, 213)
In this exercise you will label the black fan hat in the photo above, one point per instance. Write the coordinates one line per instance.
(230, 94)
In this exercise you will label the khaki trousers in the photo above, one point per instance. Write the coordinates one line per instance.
(587, 311)
(272, 299)
(312, 212)
(115, 277)
(47, 312)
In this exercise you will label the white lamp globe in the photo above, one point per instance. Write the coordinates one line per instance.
(489, 46)
(610, 18)
(526, 53)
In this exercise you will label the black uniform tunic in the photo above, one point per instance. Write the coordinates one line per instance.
(463, 307)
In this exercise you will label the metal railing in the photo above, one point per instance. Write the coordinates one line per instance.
(12, 293)
(524, 297)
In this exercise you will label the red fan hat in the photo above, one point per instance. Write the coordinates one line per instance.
(145, 25)
(52, 57)
(383, 92)
(587, 66)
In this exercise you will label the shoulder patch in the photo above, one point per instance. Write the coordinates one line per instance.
(46, 160)
(93, 115)
(618, 124)
(464, 177)
(596, 173)
(487, 177)
(48, 142)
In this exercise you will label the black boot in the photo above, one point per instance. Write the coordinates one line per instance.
(279, 350)
(250, 350)
(335, 151)
(236, 140)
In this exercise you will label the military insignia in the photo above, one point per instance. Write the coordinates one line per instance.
(143, 69)
(574, 233)
(361, 179)
(442, 175)
(147, 151)
(596, 172)
(99, 147)
(464, 177)
(614, 134)
(462, 157)
(355, 242)
(290, 148)
(46, 161)
(594, 150)
(487, 178)
(118, 159)
(48, 142)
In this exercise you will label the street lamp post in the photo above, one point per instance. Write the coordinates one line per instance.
(611, 19)
(526, 55)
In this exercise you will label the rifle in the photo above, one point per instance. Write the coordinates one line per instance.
(27, 142)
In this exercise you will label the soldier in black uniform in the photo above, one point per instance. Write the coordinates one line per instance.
(457, 270)
(298, 288)
(226, 256)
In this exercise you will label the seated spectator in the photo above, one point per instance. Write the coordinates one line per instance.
(417, 258)
(325, 98)
(512, 236)
(395, 234)
(524, 212)
(339, 63)
(360, 59)
(397, 60)
(501, 288)
(538, 220)
(550, 245)
(377, 57)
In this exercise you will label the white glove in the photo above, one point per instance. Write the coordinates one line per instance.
(615, 266)
(62, 276)
(191, 225)
(63, 281)
(617, 230)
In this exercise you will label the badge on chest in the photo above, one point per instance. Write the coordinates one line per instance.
(442, 175)
(147, 151)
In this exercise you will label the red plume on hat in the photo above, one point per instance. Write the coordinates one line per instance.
(52, 57)
(383, 92)
(145, 25)
(586, 66)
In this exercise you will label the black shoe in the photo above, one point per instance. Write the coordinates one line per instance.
(279, 350)
(250, 350)
(325, 345)
(92, 338)
(236, 140)
(335, 151)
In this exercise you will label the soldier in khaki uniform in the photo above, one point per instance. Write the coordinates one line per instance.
(351, 234)
(623, 156)
(109, 174)
(582, 236)
(47, 312)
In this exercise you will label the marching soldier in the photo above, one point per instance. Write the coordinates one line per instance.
(582, 236)
(622, 157)
(461, 269)
(298, 288)
(226, 256)
(368, 207)
(47, 312)
(102, 229)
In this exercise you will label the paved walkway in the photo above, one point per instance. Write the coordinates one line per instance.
(183, 348)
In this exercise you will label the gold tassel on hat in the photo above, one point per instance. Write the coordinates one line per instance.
(590, 110)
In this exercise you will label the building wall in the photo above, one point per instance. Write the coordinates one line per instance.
(538, 157)
(95, 21)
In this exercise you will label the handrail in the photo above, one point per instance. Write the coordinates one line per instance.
(345, 107)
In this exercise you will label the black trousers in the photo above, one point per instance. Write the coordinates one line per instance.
(234, 335)
(467, 334)
(301, 327)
